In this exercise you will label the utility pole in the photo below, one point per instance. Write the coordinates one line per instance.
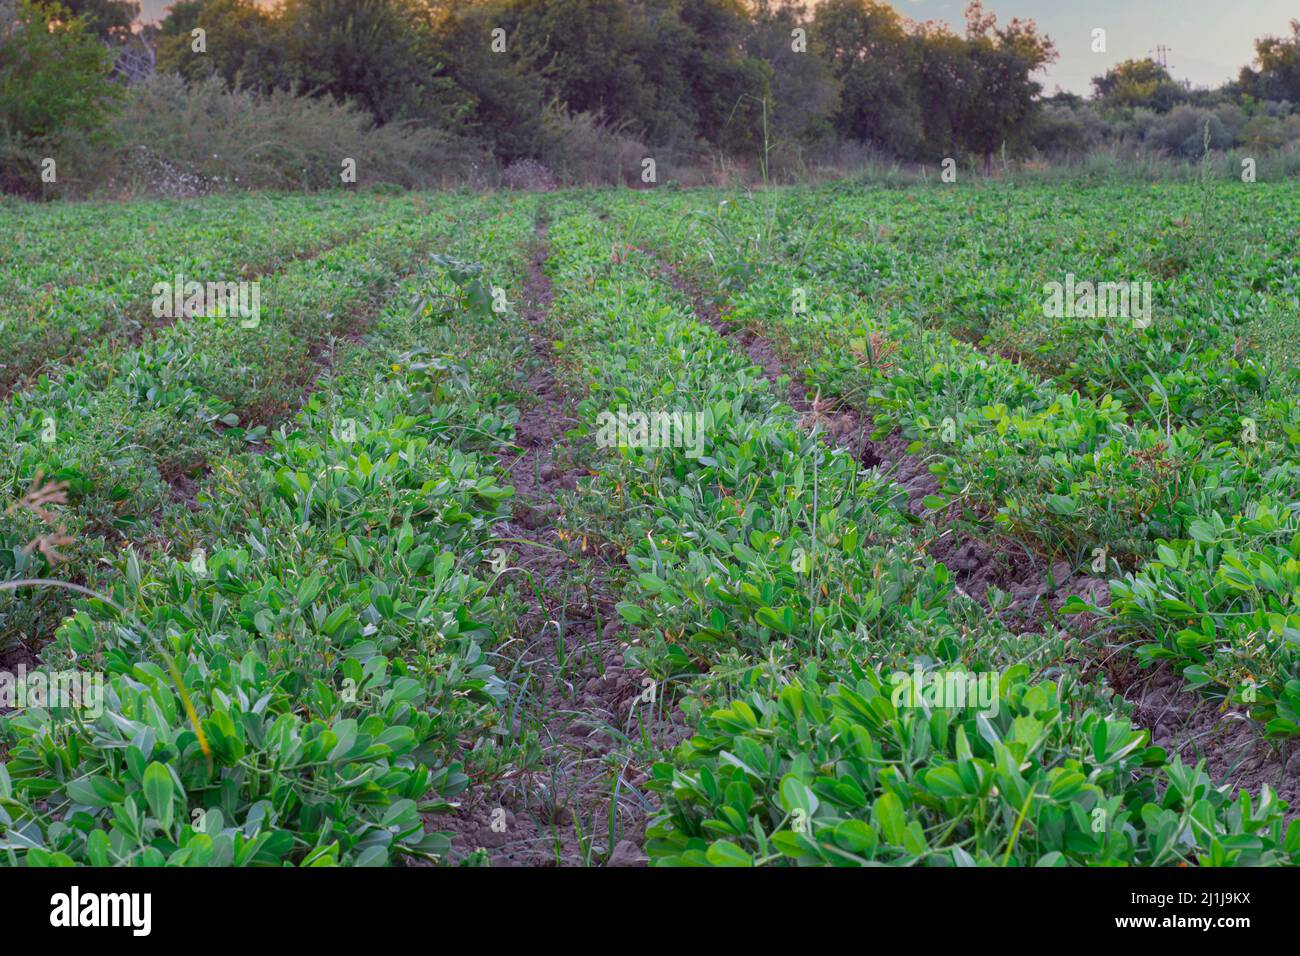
(1162, 55)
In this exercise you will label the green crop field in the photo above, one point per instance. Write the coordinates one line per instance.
(934, 525)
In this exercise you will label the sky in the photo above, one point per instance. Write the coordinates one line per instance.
(1208, 41)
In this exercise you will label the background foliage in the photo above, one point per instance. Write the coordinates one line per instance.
(710, 88)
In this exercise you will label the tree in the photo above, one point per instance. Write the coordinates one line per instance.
(869, 53)
(503, 99)
(1138, 83)
(241, 43)
(802, 92)
(726, 87)
(56, 94)
(671, 71)
(107, 19)
(1000, 96)
(942, 78)
(376, 53)
(589, 55)
(1277, 72)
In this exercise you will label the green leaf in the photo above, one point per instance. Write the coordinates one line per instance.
(96, 791)
(159, 791)
(796, 795)
(725, 853)
(945, 781)
(888, 812)
(336, 620)
(856, 836)
(1061, 504)
(630, 612)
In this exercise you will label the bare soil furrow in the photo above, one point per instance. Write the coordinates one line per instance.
(566, 660)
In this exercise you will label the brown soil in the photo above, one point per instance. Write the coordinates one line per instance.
(583, 703)
(16, 655)
(1186, 722)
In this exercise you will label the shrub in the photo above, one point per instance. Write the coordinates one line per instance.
(187, 139)
(583, 149)
(528, 174)
(1183, 131)
(1060, 129)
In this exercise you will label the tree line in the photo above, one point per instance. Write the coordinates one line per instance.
(690, 77)
(683, 74)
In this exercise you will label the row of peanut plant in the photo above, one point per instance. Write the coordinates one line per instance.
(119, 437)
(81, 275)
(294, 678)
(1167, 446)
(776, 591)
